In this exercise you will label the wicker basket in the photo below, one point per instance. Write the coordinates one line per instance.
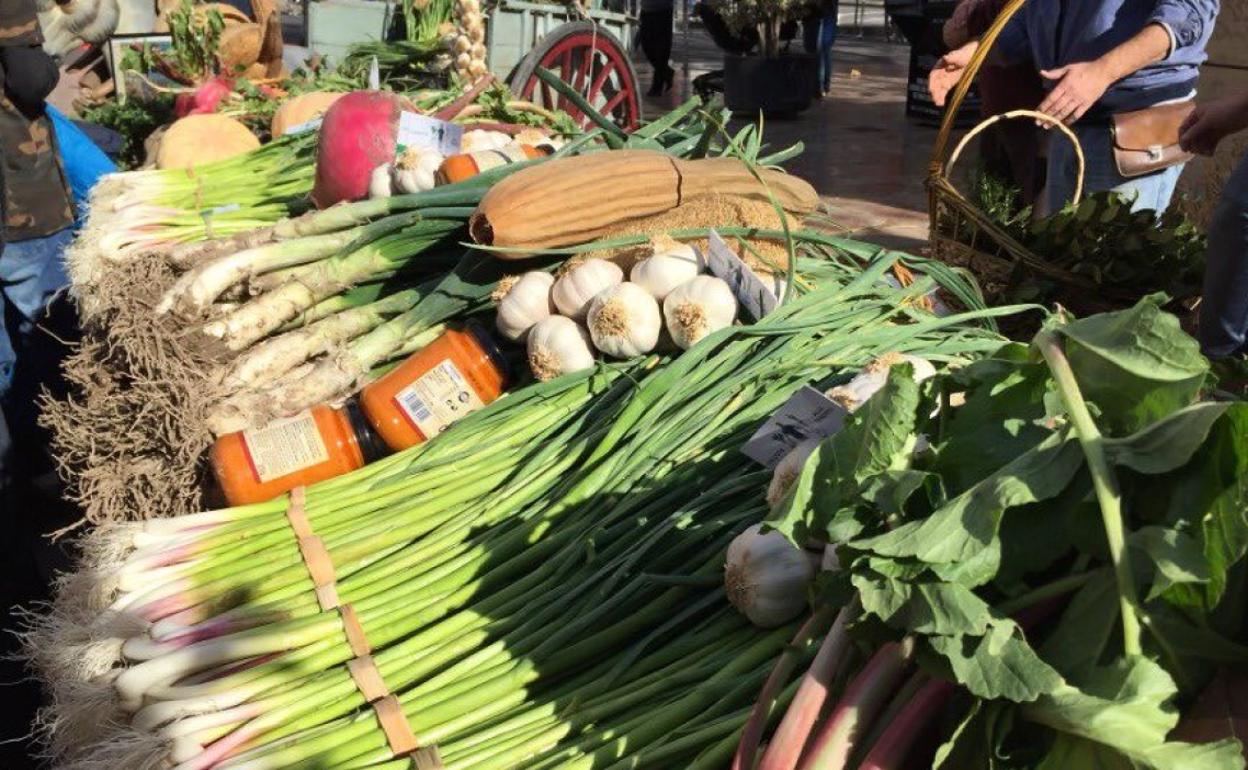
(963, 235)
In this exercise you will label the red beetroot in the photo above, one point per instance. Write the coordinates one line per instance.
(358, 134)
(205, 99)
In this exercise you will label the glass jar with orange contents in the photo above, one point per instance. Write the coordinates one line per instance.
(458, 373)
(260, 464)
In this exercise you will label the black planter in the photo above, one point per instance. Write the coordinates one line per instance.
(785, 84)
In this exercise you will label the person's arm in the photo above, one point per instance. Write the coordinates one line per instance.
(1187, 22)
(1212, 122)
(1082, 84)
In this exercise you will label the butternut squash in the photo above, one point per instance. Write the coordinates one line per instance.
(568, 201)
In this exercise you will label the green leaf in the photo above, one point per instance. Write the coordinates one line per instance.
(999, 665)
(1001, 418)
(1207, 498)
(1119, 717)
(976, 741)
(1177, 558)
(925, 607)
(963, 532)
(877, 438)
(1086, 626)
(1167, 444)
(1136, 365)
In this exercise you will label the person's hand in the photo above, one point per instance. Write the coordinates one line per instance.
(948, 71)
(1212, 122)
(1079, 86)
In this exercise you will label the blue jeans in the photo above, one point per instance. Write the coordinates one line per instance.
(1224, 307)
(31, 271)
(819, 35)
(1152, 191)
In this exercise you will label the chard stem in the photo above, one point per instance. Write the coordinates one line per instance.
(1104, 481)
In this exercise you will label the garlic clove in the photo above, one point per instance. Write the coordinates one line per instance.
(557, 345)
(697, 308)
(624, 321)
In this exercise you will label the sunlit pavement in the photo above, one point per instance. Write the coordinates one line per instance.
(863, 155)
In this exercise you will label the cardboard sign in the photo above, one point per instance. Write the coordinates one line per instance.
(304, 127)
(424, 131)
(751, 291)
(808, 414)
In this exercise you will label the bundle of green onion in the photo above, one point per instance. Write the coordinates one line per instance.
(502, 574)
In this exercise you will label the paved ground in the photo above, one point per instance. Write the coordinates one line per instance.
(864, 156)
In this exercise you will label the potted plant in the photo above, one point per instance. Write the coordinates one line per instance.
(768, 76)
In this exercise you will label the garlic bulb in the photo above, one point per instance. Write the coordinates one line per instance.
(379, 182)
(855, 393)
(669, 265)
(577, 288)
(478, 139)
(522, 302)
(468, 45)
(415, 169)
(697, 308)
(557, 346)
(624, 320)
(766, 577)
(787, 471)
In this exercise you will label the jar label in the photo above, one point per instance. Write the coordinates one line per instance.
(437, 398)
(285, 446)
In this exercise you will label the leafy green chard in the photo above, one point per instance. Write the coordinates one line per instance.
(1061, 530)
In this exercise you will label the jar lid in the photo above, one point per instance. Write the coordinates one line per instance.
(491, 349)
(370, 443)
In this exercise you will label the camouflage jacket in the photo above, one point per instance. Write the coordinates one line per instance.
(37, 196)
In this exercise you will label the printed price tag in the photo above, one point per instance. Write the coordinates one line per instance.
(754, 295)
(424, 131)
(808, 414)
(305, 126)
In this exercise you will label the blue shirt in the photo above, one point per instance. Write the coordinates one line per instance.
(1054, 33)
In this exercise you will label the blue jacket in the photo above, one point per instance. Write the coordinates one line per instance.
(1054, 33)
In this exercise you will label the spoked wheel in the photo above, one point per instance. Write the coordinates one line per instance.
(593, 63)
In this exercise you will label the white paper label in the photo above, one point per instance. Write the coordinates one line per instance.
(437, 398)
(285, 446)
(424, 131)
(808, 414)
(305, 126)
(754, 295)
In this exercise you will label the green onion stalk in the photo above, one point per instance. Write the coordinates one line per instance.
(498, 570)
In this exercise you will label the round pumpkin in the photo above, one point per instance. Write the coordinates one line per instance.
(301, 109)
(199, 139)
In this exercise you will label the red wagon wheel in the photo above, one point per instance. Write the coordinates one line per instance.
(590, 60)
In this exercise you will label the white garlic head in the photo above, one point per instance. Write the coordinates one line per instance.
(669, 265)
(576, 288)
(871, 379)
(415, 170)
(522, 303)
(787, 471)
(697, 308)
(558, 346)
(766, 577)
(379, 182)
(624, 321)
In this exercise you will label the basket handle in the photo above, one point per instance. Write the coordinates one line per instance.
(964, 85)
(1031, 115)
